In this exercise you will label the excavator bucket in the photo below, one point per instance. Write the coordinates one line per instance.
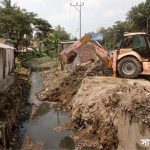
(69, 54)
(85, 39)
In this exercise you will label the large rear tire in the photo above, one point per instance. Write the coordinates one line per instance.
(129, 67)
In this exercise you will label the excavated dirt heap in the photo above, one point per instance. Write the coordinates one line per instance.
(70, 85)
(140, 108)
(97, 105)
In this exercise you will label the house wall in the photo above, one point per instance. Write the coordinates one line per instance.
(6, 68)
(1, 64)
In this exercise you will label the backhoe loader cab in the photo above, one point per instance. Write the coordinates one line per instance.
(133, 56)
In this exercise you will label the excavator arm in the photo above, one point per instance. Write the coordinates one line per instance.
(69, 54)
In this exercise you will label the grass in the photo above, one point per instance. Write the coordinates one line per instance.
(36, 60)
(19, 69)
(32, 55)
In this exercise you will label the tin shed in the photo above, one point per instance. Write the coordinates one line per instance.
(6, 66)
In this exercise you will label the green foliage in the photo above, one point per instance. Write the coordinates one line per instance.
(19, 25)
(53, 38)
(134, 23)
(32, 55)
(61, 34)
(113, 35)
(108, 34)
(6, 3)
(51, 44)
(137, 17)
(19, 69)
(15, 24)
(42, 28)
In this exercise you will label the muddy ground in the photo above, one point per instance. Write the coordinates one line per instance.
(11, 100)
(97, 104)
(96, 113)
(62, 86)
(106, 113)
(33, 111)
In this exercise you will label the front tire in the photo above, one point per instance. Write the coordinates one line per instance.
(129, 67)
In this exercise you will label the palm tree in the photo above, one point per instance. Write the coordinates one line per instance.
(6, 3)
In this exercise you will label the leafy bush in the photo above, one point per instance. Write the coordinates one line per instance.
(32, 55)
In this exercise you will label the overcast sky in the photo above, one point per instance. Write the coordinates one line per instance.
(95, 13)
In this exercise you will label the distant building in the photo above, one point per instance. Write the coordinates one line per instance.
(6, 64)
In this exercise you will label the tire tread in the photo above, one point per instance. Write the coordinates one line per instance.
(126, 59)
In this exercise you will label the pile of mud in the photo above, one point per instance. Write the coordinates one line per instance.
(140, 108)
(70, 85)
(105, 109)
(98, 105)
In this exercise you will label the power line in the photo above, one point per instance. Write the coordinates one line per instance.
(73, 25)
(78, 7)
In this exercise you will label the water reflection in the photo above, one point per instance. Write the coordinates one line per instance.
(45, 119)
(67, 143)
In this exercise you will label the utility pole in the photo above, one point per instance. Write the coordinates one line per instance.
(78, 7)
(147, 21)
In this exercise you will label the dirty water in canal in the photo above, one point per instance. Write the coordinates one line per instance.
(40, 127)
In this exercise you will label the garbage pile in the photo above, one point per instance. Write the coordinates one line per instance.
(96, 102)
(70, 85)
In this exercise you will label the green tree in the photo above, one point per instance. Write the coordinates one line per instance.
(51, 44)
(53, 38)
(137, 16)
(42, 28)
(114, 34)
(6, 3)
(15, 24)
(61, 34)
(108, 37)
(20, 26)
(136, 21)
(118, 31)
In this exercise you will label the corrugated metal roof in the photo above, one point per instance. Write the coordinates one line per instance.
(6, 46)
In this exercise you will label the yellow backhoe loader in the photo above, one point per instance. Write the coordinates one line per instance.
(130, 60)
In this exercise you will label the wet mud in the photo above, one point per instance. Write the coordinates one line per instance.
(95, 104)
(38, 131)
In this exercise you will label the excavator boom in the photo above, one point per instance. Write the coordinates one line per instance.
(65, 54)
(69, 54)
(130, 60)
